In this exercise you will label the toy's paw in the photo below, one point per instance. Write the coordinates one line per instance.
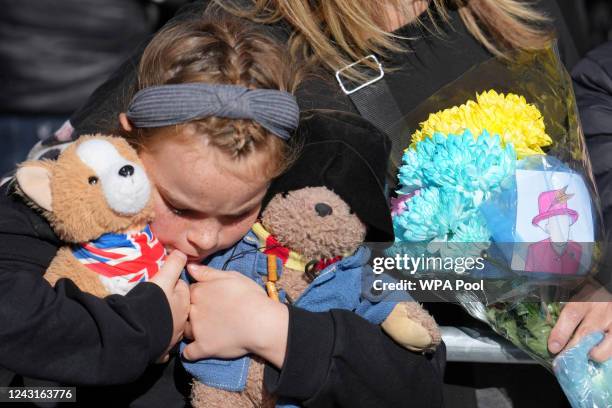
(411, 326)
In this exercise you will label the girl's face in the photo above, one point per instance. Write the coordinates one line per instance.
(201, 205)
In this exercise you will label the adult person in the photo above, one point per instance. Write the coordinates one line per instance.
(451, 38)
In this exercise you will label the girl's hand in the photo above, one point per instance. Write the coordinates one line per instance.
(177, 293)
(232, 316)
(591, 311)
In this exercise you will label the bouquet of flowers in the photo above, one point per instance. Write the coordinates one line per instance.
(503, 176)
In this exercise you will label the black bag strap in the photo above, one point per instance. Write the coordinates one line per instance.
(375, 103)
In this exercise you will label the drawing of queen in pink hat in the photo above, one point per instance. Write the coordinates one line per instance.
(557, 253)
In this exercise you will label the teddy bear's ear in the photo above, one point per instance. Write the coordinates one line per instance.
(34, 179)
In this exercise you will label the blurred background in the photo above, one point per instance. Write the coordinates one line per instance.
(54, 53)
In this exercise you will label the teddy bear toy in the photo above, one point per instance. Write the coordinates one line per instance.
(98, 200)
(307, 250)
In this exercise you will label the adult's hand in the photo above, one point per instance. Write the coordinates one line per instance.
(231, 316)
(177, 294)
(589, 311)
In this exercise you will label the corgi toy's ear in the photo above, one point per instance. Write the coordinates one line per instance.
(34, 179)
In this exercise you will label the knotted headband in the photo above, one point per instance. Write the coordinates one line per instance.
(164, 105)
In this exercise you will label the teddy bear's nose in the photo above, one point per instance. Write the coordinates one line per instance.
(323, 209)
(126, 171)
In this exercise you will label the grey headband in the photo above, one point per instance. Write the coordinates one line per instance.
(277, 111)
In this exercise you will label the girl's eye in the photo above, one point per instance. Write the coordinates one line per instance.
(236, 217)
(173, 209)
(177, 211)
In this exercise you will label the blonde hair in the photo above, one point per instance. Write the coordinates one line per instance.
(223, 51)
(335, 33)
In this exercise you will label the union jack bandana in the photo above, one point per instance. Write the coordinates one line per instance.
(122, 260)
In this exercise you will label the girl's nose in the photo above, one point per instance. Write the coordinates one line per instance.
(206, 238)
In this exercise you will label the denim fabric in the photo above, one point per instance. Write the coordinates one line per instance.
(230, 374)
(339, 286)
(344, 285)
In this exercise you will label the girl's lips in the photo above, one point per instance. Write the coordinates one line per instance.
(190, 258)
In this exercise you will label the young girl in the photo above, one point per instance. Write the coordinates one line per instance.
(232, 136)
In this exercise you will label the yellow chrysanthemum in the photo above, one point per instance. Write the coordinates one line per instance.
(509, 116)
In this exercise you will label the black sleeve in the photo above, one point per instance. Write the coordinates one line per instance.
(63, 334)
(339, 359)
(593, 87)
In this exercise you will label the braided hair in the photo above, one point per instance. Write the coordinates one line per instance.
(223, 50)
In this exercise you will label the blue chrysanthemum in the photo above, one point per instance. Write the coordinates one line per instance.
(472, 166)
(474, 230)
(453, 174)
(469, 239)
(432, 214)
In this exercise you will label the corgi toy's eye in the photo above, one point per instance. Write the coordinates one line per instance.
(93, 180)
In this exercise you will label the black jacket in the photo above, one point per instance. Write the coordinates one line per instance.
(68, 336)
(64, 334)
(593, 87)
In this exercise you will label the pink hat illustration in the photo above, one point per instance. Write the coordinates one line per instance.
(552, 203)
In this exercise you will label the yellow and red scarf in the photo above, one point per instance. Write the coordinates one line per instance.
(270, 246)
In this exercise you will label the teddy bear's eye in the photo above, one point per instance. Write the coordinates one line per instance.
(93, 180)
(323, 210)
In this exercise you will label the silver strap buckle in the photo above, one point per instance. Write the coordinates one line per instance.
(381, 74)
